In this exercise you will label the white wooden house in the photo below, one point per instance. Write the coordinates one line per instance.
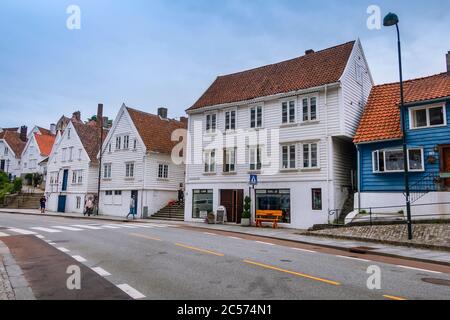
(72, 168)
(136, 161)
(12, 143)
(38, 148)
(291, 124)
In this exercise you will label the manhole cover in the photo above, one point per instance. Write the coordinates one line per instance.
(439, 282)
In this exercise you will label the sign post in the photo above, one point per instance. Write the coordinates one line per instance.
(253, 182)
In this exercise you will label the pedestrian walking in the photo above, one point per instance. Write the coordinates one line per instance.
(42, 202)
(132, 208)
(181, 195)
(89, 207)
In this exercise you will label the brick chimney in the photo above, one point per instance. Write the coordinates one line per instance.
(448, 63)
(23, 133)
(162, 112)
(100, 115)
(53, 128)
(76, 116)
(310, 51)
(184, 120)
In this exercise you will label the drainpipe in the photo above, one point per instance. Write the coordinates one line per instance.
(328, 147)
(358, 176)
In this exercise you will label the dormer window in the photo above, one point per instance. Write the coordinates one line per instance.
(427, 117)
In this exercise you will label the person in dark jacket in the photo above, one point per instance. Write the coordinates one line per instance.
(42, 202)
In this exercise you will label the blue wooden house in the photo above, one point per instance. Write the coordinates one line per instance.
(381, 182)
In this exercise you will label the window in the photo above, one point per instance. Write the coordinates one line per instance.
(134, 144)
(229, 160)
(107, 171)
(211, 123)
(77, 177)
(71, 154)
(392, 160)
(80, 152)
(359, 73)
(108, 193)
(69, 133)
(310, 156)
(64, 151)
(108, 197)
(427, 117)
(118, 143)
(309, 109)
(255, 158)
(288, 112)
(126, 142)
(230, 120)
(317, 199)
(202, 203)
(210, 161)
(78, 202)
(256, 117)
(275, 200)
(289, 154)
(109, 147)
(6, 151)
(163, 171)
(129, 170)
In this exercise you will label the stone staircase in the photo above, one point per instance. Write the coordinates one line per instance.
(174, 212)
(23, 201)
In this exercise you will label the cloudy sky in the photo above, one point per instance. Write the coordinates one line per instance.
(167, 52)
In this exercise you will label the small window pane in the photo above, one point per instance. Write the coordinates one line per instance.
(317, 199)
(394, 160)
(314, 160)
(415, 159)
(313, 109)
(285, 112)
(420, 118)
(305, 110)
(292, 112)
(436, 116)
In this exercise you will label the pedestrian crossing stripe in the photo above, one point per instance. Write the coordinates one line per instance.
(2, 234)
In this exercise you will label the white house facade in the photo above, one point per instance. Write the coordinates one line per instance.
(137, 161)
(72, 168)
(291, 124)
(38, 148)
(12, 143)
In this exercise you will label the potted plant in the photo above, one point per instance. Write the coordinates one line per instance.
(246, 215)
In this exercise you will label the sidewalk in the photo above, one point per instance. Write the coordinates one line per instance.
(13, 285)
(425, 255)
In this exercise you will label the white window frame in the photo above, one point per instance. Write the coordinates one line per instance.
(63, 155)
(163, 171)
(126, 142)
(375, 161)
(253, 158)
(309, 98)
(209, 116)
(256, 107)
(359, 73)
(427, 108)
(289, 159)
(228, 124)
(118, 142)
(309, 144)
(129, 170)
(288, 105)
(77, 177)
(107, 172)
(209, 161)
(230, 157)
(70, 154)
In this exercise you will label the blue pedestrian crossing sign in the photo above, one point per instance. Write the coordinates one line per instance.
(253, 180)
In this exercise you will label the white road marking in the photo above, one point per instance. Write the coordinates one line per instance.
(46, 229)
(267, 243)
(48, 241)
(210, 233)
(40, 236)
(236, 238)
(79, 258)
(22, 231)
(63, 249)
(130, 291)
(3, 234)
(143, 226)
(52, 243)
(101, 271)
(352, 258)
(83, 226)
(418, 269)
(110, 227)
(128, 226)
(304, 250)
(68, 228)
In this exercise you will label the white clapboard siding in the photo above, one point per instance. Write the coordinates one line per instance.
(14, 162)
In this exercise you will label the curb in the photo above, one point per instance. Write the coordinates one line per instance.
(447, 264)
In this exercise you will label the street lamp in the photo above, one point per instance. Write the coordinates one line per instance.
(390, 20)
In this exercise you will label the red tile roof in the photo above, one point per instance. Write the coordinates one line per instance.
(154, 131)
(309, 71)
(12, 138)
(90, 138)
(45, 143)
(381, 118)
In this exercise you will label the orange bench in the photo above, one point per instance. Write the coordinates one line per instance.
(273, 216)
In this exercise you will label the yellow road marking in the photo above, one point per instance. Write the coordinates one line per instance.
(394, 298)
(199, 250)
(145, 237)
(292, 272)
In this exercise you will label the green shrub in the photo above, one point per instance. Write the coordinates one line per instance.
(29, 179)
(17, 185)
(247, 206)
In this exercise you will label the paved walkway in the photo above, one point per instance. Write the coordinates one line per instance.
(442, 257)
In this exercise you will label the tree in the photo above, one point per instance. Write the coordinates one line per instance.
(247, 207)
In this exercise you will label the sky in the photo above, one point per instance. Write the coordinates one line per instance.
(165, 53)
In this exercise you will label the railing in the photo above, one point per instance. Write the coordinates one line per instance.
(430, 182)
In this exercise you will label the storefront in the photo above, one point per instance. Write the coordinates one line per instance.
(278, 199)
(202, 201)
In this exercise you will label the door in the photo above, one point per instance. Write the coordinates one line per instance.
(446, 164)
(65, 178)
(62, 204)
(233, 201)
(134, 195)
(2, 165)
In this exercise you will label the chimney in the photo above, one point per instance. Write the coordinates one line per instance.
(448, 63)
(100, 115)
(23, 133)
(162, 112)
(53, 128)
(310, 51)
(76, 116)
(106, 122)
(184, 120)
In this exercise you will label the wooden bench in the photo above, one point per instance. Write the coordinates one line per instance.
(273, 216)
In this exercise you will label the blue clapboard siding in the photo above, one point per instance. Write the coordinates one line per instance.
(427, 139)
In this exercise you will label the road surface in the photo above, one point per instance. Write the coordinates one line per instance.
(160, 261)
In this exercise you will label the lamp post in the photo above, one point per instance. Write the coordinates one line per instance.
(390, 20)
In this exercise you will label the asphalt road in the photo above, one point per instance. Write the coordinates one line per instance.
(161, 261)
